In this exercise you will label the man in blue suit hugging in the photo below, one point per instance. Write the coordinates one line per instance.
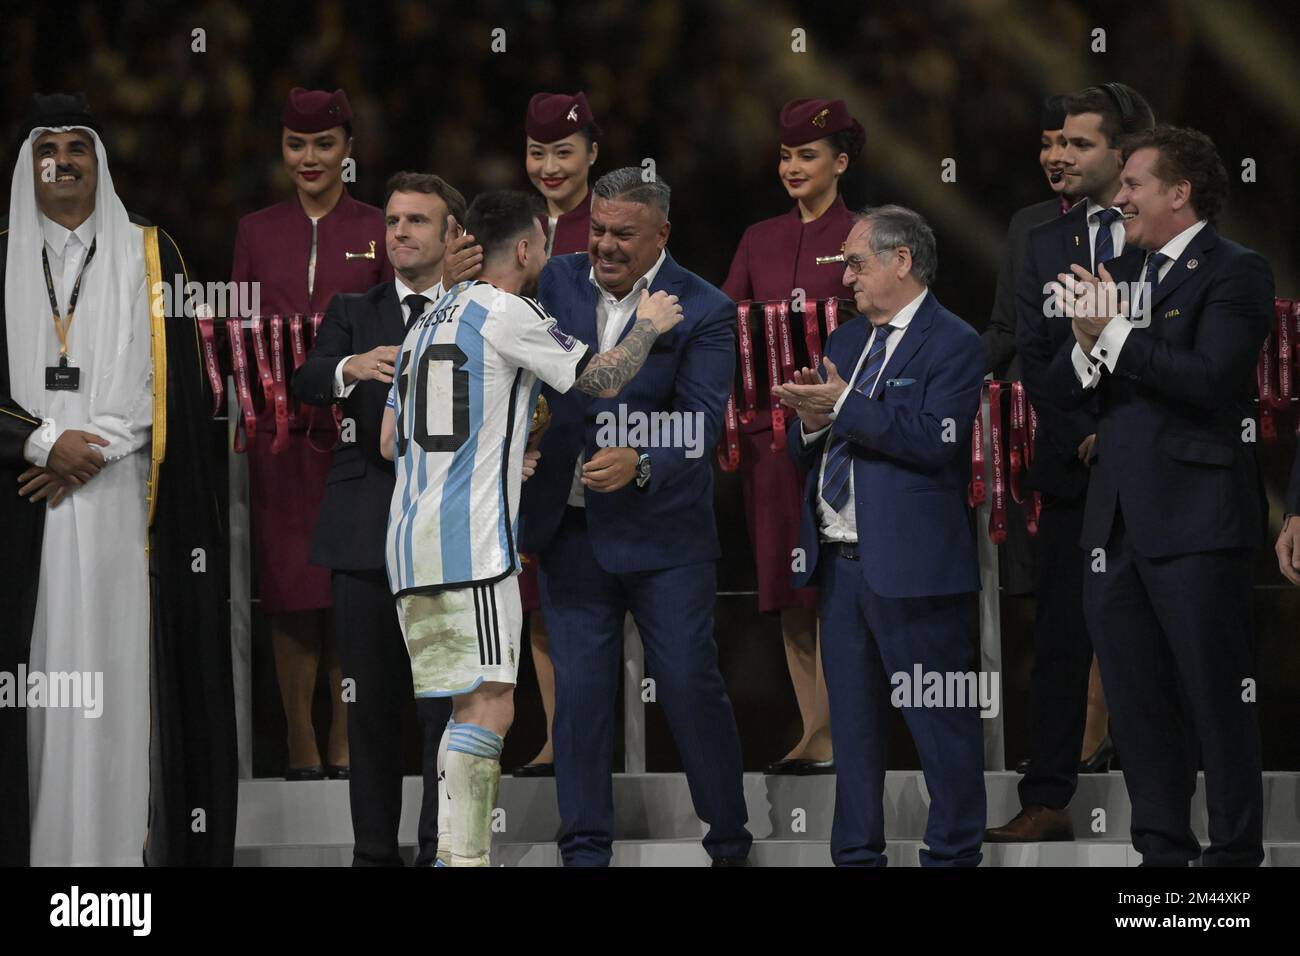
(620, 512)
(887, 537)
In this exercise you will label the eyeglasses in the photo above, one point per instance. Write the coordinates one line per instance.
(856, 264)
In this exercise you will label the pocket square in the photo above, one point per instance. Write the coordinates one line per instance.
(899, 382)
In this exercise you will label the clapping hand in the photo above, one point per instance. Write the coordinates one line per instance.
(809, 397)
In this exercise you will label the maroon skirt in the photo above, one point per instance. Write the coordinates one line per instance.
(772, 491)
(286, 492)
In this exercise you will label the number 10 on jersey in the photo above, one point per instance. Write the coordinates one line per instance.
(439, 407)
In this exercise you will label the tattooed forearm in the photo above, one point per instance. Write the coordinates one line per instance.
(607, 373)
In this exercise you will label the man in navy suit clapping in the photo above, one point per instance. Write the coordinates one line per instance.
(887, 537)
(1174, 507)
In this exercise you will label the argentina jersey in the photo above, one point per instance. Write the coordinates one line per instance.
(463, 391)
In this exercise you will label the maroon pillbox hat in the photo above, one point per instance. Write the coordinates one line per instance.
(806, 120)
(314, 111)
(553, 116)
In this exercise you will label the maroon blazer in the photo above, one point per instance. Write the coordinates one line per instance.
(571, 229)
(273, 248)
(777, 256)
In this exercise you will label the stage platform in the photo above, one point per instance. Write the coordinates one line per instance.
(308, 823)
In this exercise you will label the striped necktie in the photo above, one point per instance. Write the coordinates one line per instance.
(835, 479)
(1103, 249)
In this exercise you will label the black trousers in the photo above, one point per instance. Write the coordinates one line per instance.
(1176, 645)
(1058, 685)
(373, 654)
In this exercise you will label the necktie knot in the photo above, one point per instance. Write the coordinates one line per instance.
(1154, 262)
(1103, 249)
(415, 304)
(1107, 217)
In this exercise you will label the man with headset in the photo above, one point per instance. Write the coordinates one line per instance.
(1089, 234)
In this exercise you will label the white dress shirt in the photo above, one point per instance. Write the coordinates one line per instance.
(842, 525)
(612, 316)
(1112, 338)
(433, 294)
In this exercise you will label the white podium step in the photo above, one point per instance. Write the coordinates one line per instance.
(309, 824)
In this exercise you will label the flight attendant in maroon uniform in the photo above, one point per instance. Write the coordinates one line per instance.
(560, 150)
(301, 252)
(776, 257)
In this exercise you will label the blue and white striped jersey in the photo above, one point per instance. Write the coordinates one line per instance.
(464, 389)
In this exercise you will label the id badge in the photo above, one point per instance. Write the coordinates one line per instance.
(62, 378)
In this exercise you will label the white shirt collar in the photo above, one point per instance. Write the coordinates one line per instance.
(644, 282)
(433, 293)
(1175, 246)
(57, 236)
(904, 316)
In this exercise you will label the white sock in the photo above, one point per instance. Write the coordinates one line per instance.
(444, 802)
(473, 779)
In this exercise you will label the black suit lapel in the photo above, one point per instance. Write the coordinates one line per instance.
(393, 329)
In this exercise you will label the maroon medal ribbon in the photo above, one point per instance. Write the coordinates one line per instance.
(729, 447)
(998, 511)
(279, 387)
(243, 388)
(812, 334)
(773, 373)
(208, 339)
(975, 493)
(748, 409)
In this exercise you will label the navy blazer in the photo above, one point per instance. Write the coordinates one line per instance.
(1063, 424)
(670, 522)
(999, 336)
(349, 533)
(910, 444)
(1172, 452)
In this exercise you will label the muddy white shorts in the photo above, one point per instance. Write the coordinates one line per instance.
(462, 637)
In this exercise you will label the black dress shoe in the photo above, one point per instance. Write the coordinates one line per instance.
(785, 766)
(1022, 766)
(337, 771)
(1101, 758)
(731, 861)
(535, 770)
(316, 772)
(813, 768)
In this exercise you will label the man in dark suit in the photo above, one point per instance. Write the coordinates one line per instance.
(887, 538)
(1174, 507)
(1016, 556)
(1091, 232)
(352, 363)
(623, 524)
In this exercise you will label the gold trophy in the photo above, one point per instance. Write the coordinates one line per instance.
(541, 421)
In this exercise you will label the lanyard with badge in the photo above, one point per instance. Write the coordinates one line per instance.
(63, 377)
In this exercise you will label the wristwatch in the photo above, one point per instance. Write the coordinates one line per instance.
(643, 470)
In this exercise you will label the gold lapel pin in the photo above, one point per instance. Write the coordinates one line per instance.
(362, 255)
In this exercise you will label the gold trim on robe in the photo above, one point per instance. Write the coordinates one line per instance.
(158, 343)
